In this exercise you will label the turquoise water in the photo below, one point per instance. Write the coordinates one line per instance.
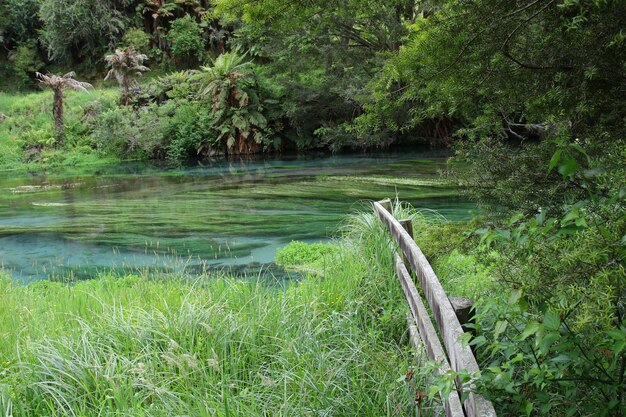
(222, 214)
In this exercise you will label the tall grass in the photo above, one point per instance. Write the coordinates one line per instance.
(332, 346)
(28, 122)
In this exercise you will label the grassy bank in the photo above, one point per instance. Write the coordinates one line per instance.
(27, 135)
(331, 345)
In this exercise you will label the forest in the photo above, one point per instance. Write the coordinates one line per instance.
(526, 97)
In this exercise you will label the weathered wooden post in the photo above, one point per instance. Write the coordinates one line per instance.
(386, 203)
(463, 308)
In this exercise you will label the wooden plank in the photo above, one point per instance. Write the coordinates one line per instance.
(407, 224)
(426, 332)
(461, 357)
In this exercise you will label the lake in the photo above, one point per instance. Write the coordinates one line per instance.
(215, 215)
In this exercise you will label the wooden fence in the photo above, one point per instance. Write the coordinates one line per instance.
(455, 356)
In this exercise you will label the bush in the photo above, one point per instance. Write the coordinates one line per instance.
(191, 133)
(126, 132)
(26, 62)
(186, 42)
(90, 27)
(552, 335)
(136, 39)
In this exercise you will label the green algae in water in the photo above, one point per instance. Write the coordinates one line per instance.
(217, 215)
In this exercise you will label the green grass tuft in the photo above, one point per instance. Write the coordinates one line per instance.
(310, 258)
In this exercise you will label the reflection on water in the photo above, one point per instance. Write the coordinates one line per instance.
(185, 220)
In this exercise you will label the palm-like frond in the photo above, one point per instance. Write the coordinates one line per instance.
(62, 82)
(230, 85)
(125, 64)
(58, 83)
(228, 70)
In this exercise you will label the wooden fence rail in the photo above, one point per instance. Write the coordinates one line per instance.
(456, 356)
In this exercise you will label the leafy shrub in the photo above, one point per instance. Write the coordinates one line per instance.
(230, 87)
(26, 62)
(191, 133)
(503, 178)
(315, 112)
(23, 20)
(179, 85)
(90, 27)
(136, 39)
(37, 137)
(130, 133)
(186, 42)
(560, 356)
(175, 85)
(552, 336)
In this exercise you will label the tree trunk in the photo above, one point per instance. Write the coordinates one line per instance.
(57, 114)
(125, 92)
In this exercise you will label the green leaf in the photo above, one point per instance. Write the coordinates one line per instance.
(618, 334)
(530, 329)
(482, 231)
(477, 341)
(240, 123)
(619, 347)
(540, 218)
(500, 328)
(547, 341)
(551, 320)
(515, 218)
(579, 148)
(560, 359)
(571, 215)
(527, 407)
(258, 119)
(567, 166)
(515, 296)
(554, 160)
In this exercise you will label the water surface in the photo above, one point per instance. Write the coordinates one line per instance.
(222, 213)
